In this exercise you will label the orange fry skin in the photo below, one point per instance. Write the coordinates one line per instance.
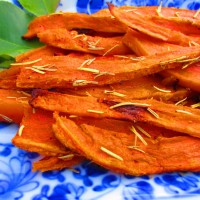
(145, 46)
(37, 134)
(55, 163)
(139, 111)
(8, 83)
(39, 53)
(8, 77)
(71, 40)
(161, 114)
(149, 27)
(68, 104)
(101, 22)
(158, 156)
(188, 77)
(12, 103)
(140, 88)
(67, 72)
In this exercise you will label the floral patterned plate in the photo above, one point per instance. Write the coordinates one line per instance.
(93, 182)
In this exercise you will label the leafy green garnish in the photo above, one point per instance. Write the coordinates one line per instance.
(40, 7)
(14, 24)
(5, 61)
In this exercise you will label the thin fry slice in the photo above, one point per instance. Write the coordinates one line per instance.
(147, 26)
(12, 103)
(37, 134)
(159, 154)
(101, 21)
(70, 40)
(166, 112)
(112, 69)
(140, 88)
(144, 45)
(55, 163)
(187, 76)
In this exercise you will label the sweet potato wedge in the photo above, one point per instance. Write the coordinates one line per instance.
(55, 163)
(70, 71)
(143, 45)
(101, 21)
(71, 40)
(8, 83)
(149, 110)
(65, 103)
(60, 134)
(181, 20)
(12, 103)
(157, 156)
(188, 77)
(140, 88)
(35, 134)
(8, 77)
(39, 53)
(149, 27)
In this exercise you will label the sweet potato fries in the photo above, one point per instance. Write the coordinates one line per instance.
(118, 87)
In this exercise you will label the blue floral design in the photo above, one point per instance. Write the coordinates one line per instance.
(3, 125)
(87, 171)
(194, 5)
(108, 182)
(6, 149)
(140, 190)
(61, 192)
(89, 6)
(92, 6)
(54, 175)
(27, 155)
(16, 178)
(176, 183)
(144, 177)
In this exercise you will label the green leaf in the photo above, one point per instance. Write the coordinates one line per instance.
(13, 24)
(40, 7)
(5, 61)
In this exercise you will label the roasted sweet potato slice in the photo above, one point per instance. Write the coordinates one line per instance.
(114, 152)
(71, 40)
(71, 71)
(141, 88)
(101, 21)
(55, 163)
(12, 105)
(39, 53)
(65, 103)
(28, 58)
(8, 83)
(188, 77)
(185, 119)
(60, 134)
(149, 27)
(144, 45)
(161, 114)
(181, 20)
(35, 134)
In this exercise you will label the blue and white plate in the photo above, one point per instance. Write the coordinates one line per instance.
(93, 182)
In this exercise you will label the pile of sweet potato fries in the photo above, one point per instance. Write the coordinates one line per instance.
(119, 87)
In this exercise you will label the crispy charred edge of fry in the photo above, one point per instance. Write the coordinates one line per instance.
(55, 163)
(127, 110)
(36, 93)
